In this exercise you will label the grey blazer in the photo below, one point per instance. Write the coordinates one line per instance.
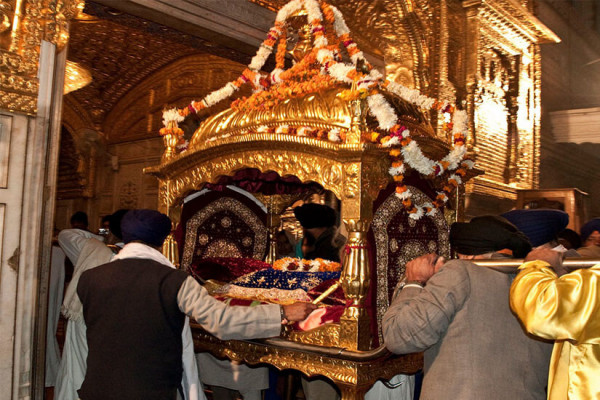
(474, 346)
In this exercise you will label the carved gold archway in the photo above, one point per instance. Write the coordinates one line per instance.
(343, 169)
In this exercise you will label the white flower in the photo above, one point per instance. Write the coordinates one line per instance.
(334, 135)
(404, 195)
(321, 41)
(288, 10)
(440, 166)
(303, 131)
(375, 75)
(411, 95)
(393, 171)
(460, 122)
(456, 178)
(339, 71)
(455, 156)
(417, 215)
(382, 111)
(442, 196)
(357, 56)
(282, 129)
(220, 94)
(262, 129)
(392, 142)
(432, 210)
(313, 10)
(275, 75)
(339, 25)
(415, 158)
(470, 164)
(260, 58)
(324, 55)
(172, 115)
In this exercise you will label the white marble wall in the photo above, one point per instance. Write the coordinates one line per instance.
(27, 180)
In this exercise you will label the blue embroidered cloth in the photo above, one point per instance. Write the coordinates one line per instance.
(288, 280)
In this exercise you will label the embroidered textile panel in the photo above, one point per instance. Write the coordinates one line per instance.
(399, 239)
(224, 227)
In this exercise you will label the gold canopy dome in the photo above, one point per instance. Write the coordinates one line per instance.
(325, 110)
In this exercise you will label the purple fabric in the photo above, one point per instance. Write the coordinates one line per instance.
(226, 269)
(254, 181)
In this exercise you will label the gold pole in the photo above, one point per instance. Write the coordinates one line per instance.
(511, 264)
(355, 280)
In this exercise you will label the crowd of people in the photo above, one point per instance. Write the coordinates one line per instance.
(485, 332)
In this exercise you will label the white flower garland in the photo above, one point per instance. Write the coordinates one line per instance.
(172, 115)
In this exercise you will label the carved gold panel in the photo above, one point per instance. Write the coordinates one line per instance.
(23, 25)
(343, 169)
(353, 372)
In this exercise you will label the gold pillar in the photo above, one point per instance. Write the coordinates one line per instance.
(170, 141)
(358, 124)
(355, 333)
(273, 222)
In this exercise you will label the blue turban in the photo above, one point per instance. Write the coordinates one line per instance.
(114, 222)
(147, 226)
(589, 228)
(539, 225)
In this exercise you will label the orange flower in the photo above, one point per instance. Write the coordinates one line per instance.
(395, 152)
(405, 141)
(398, 178)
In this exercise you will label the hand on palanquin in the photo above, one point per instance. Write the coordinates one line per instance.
(554, 258)
(297, 311)
(422, 268)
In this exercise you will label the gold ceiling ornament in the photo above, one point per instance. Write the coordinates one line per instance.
(5, 8)
(19, 58)
(76, 77)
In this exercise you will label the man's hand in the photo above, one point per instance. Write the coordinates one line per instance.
(422, 268)
(554, 258)
(297, 311)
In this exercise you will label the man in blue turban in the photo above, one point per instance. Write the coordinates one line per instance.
(541, 226)
(590, 236)
(135, 307)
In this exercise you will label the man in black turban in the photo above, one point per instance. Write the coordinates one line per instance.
(487, 235)
(135, 307)
(318, 222)
(458, 314)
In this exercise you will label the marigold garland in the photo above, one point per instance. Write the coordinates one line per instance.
(321, 69)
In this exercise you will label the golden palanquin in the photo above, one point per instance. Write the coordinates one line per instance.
(357, 173)
(338, 136)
